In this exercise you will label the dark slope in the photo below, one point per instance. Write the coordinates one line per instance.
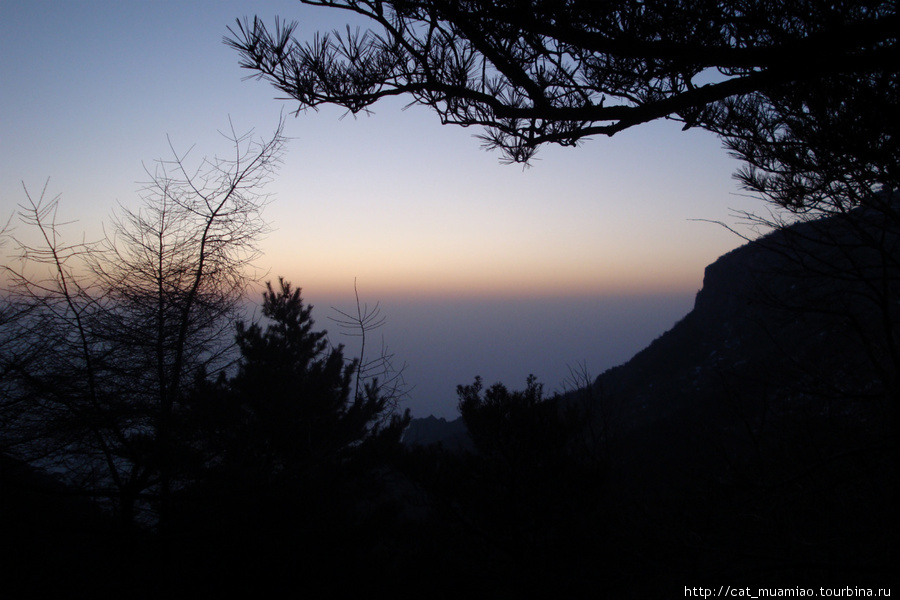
(761, 421)
(803, 319)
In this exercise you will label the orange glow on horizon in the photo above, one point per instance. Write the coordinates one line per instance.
(488, 283)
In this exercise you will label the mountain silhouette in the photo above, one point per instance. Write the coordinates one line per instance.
(754, 438)
(806, 314)
(762, 419)
(789, 316)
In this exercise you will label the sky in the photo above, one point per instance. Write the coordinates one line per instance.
(479, 268)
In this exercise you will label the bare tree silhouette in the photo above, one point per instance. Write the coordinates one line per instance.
(108, 335)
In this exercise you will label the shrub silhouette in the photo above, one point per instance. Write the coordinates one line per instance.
(289, 486)
(291, 407)
(525, 508)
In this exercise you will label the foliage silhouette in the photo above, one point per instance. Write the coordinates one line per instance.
(292, 408)
(515, 427)
(291, 486)
(551, 72)
(528, 503)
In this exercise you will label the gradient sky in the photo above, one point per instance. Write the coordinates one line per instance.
(479, 267)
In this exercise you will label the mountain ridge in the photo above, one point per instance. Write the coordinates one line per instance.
(788, 314)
